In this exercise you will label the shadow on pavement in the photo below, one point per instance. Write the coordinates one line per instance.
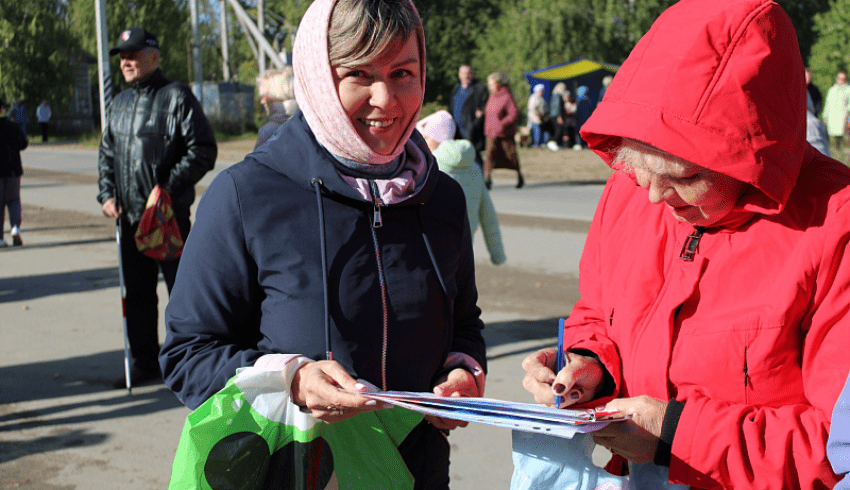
(98, 410)
(68, 243)
(38, 229)
(502, 333)
(54, 394)
(58, 378)
(12, 450)
(24, 288)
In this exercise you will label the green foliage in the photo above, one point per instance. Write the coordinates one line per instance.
(35, 48)
(452, 29)
(282, 18)
(168, 20)
(514, 36)
(431, 107)
(830, 52)
(803, 14)
(532, 34)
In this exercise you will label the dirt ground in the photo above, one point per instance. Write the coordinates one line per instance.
(537, 164)
(539, 296)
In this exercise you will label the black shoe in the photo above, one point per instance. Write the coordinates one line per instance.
(138, 377)
(488, 183)
(520, 181)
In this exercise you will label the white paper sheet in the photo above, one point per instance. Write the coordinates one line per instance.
(524, 417)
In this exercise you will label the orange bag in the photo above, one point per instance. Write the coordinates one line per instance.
(158, 235)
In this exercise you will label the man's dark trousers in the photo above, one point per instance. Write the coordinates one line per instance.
(141, 274)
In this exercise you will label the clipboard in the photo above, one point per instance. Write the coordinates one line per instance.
(525, 417)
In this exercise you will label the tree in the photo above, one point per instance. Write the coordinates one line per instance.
(35, 51)
(803, 14)
(829, 52)
(532, 34)
(168, 20)
(452, 29)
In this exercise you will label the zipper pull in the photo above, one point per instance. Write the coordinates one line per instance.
(689, 249)
(376, 221)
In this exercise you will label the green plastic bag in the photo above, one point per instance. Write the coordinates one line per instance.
(251, 436)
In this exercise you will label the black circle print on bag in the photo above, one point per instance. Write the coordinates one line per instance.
(241, 461)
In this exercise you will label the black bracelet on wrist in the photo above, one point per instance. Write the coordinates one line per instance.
(668, 431)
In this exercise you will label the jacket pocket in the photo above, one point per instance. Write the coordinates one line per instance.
(755, 360)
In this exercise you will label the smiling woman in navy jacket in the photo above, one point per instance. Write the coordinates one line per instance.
(339, 231)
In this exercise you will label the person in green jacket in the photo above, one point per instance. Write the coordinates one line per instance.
(457, 159)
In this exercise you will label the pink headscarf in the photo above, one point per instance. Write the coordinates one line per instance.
(317, 95)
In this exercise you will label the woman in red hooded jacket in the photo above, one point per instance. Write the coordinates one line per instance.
(714, 287)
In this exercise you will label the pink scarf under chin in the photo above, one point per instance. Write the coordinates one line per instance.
(316, 92)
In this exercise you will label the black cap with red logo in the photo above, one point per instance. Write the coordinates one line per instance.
(134, 39)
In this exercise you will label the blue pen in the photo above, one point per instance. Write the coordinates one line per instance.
(559, 357)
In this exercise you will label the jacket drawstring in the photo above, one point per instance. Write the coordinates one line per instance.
(431, 252)
(317, 185)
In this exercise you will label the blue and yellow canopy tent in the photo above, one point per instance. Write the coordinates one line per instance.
(574, 74)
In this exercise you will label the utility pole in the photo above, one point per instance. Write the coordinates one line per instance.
(261, 25)
(225, 52)
(196, 51)
(103, 61)
(263, 45)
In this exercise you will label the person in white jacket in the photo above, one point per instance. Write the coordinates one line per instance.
(457, 159)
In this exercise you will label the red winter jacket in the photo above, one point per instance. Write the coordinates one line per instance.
(752, 335)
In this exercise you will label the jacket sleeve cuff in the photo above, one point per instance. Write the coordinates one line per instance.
(608, 384)
(668, 431)
(465, 361)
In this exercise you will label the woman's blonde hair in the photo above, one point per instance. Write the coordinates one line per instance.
(276, 85)
(360, 30)
(498, 77)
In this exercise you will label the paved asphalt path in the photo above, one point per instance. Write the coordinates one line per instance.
(63, 427)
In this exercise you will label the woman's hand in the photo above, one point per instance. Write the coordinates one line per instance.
(459, 383)
(635, 439)
(577, 383)
(328, 391)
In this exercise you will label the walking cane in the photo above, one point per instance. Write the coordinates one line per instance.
(129, 383)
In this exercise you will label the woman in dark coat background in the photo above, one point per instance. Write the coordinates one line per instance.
(12, 141)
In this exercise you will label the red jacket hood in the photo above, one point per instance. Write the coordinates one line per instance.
(719, 83)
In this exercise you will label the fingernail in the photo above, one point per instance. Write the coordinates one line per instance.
(372, 403)
(600, 408)
(360, 386)
(575, 394)
(559, 388)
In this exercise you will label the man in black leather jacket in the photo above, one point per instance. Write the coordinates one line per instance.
(156, 133)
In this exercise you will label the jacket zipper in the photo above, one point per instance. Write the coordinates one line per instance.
(377, 223)
(124, 177)
(691, 245)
